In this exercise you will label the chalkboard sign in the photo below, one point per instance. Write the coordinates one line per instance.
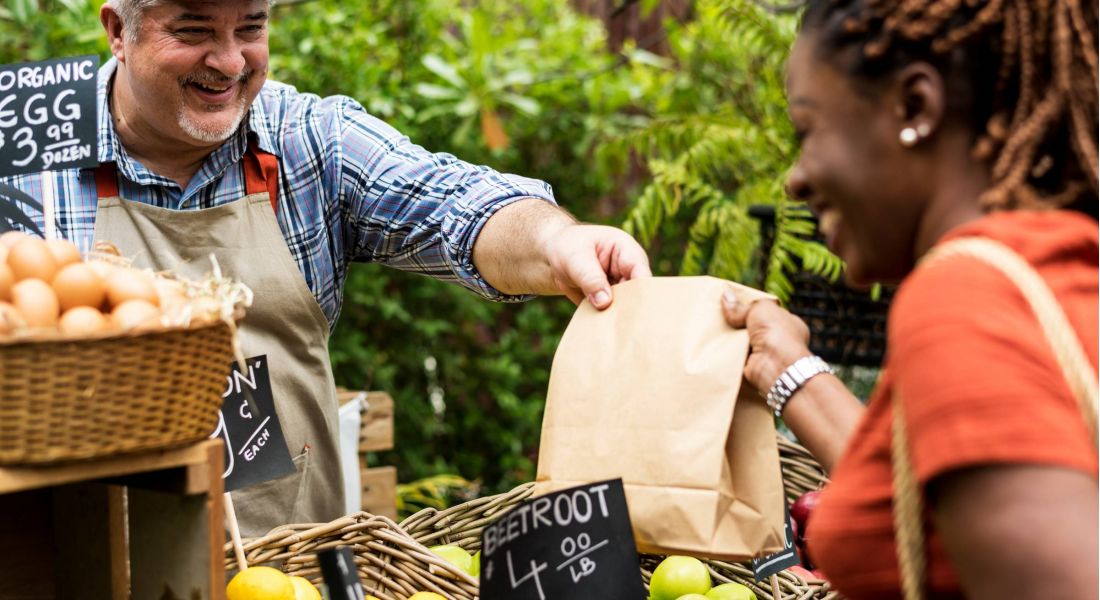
(765, 567)
(48, 115)
(255, 448)
(338, 571)
(575, 544)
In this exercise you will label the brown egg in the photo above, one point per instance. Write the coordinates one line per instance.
(79, 285)
(37, 302)
(31, 257)
(136, 314)
(7, 279)
(64, 251)
(12, 238)
(10, 319)
(84, 320)
(130, 284)
(103, 269)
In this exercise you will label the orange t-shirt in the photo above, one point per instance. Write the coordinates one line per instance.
(979, 386)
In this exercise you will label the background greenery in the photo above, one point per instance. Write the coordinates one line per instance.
(674, 148)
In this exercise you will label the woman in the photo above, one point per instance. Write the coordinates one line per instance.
(920, 122)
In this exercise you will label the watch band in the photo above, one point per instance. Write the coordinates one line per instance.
(792, 379)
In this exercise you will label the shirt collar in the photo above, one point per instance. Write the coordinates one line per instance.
(256, 126)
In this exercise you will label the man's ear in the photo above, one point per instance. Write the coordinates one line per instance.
(920, 98)
(112, 25)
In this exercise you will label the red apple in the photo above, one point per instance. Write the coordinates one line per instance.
(803, 506)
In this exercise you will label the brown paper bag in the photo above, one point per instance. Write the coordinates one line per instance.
(651, 391)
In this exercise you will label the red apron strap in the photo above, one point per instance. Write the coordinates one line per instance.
(106, 180)
(261, 173)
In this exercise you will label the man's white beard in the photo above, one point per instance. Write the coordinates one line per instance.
(209, 136)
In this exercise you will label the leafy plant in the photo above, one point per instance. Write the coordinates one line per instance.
(721, 144)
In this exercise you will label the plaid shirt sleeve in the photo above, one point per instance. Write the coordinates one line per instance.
(412, 209)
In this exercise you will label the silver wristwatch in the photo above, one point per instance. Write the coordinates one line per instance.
(792, 379)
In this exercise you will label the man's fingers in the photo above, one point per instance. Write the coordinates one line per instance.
(585, 272)
(633, 262)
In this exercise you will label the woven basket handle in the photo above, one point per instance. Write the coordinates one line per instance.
(1068, 352)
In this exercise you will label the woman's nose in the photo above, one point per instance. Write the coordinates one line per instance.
(798, 186)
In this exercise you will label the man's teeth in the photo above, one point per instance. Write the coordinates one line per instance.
(212, 88)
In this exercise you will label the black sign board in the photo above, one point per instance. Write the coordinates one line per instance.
(338, 571)
(48, 115)
(765, 567)
(255, 448)
(576, 544)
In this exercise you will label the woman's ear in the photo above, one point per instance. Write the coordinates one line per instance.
(920, 100)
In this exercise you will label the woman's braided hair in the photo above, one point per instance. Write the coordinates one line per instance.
(1024, 72)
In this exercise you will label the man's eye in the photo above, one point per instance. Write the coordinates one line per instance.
(251, 29)
(191, 31)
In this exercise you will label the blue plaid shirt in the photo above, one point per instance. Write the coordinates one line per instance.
(351, 188)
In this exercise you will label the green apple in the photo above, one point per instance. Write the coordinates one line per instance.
(475, 566)
(678, 576)
(454, 555)
(692, 597)
(731, 591)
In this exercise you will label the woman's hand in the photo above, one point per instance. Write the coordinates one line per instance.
(823, 413)
(777, 338)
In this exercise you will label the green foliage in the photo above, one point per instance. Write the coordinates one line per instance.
(33, 30)
(469, 377)
(719, 144)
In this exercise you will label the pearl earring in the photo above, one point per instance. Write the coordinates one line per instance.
(908, 137)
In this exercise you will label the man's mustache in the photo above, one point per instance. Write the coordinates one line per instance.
(217, 78)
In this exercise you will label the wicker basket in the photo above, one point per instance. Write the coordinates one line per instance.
(66, 400)
(394, 561)
(462, 525)
(392, 565)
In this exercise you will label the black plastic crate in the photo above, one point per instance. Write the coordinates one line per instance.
(847, 326)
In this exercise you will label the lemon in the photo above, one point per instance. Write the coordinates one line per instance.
(426, 596)
(260, 583)
(304, 590)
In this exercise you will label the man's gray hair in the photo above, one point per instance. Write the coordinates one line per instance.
(131, 11)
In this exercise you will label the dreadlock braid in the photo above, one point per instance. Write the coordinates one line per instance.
(1025, 72)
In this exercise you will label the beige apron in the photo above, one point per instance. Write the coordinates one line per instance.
(285, 323)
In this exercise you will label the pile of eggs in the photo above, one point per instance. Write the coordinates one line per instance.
(47, 288)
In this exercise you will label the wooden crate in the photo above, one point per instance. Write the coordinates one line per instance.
(147, 525)
(379, 484)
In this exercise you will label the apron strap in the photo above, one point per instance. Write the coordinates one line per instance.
(106, 180)
(261, 174)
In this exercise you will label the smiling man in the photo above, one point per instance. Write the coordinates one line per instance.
(201, 154)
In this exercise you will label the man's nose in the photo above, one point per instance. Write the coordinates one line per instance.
(226, 58)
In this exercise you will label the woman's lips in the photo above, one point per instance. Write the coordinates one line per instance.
(213, 93)
(829, 224)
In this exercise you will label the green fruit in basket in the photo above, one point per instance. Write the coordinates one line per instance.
(454, 555)
(692, 597)
(731, 591)
(678, 576)
(426, 596)
(475, 567)
(260, 583)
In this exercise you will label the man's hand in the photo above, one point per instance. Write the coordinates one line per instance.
(586, 260)
(534, 247)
